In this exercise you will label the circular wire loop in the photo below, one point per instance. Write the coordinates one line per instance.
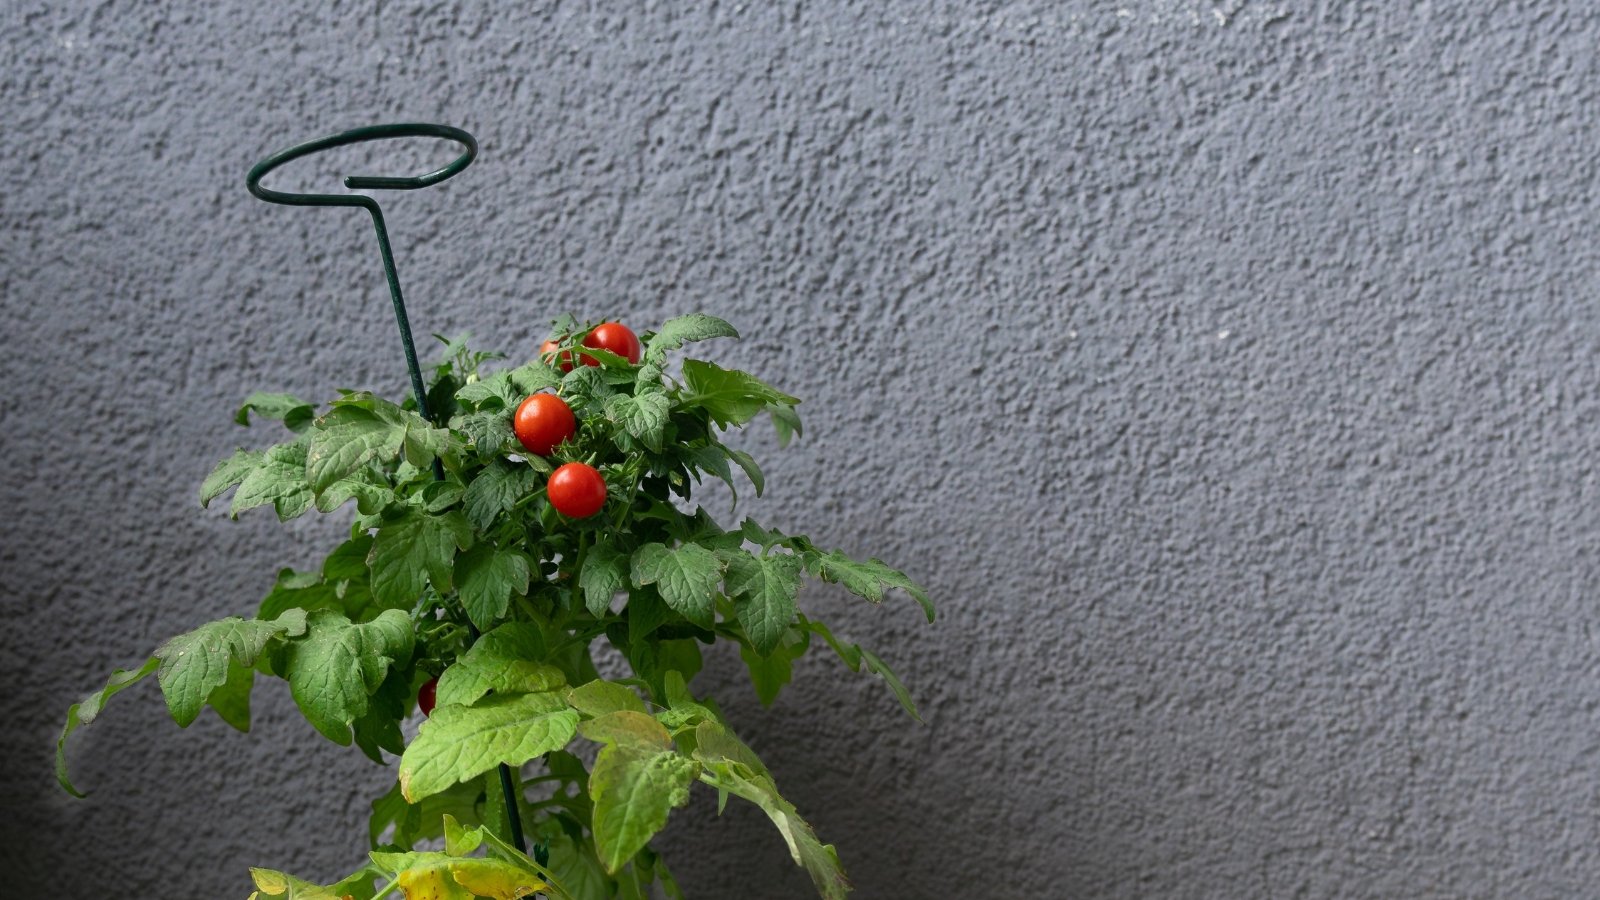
(361, 182)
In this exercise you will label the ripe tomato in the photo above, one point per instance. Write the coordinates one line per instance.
(547, 352)
(576, 490)
(427, 696)
(615, 337)
(542, 422)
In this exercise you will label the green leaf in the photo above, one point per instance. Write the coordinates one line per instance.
(766, 538)
(716, 743)
(358, 885)
(361, 486)
(487, 577)
(441, 495)
(682, 710)
(646, 612)
(348, 560)
(423, 443)
(850, 653)
(865, 579)
(878, 667)
(196, 663)
(336, 668)
(764, 589)
(462, 742)
(531, 379)
(293, 412)
(728, 767)
(751, 470)
(86, 710)
(603, 574)
(507, 660)
(686, 576)
(228, 473)
(232, 699)
(358, 430)
(785, 421)
(676, 332)
(279, 478)
(643, 417)
(478, 394)
(413, 549)
(730, 397)
(770, 671)
(636, 782)
(297, 590)
(712, 459)
(598, 698)
(575, 865)
(586, 386)
(422, 821)
(854, 656)
(496, 489)
(489, 432)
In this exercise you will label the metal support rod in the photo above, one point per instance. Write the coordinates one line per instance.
(359, 182)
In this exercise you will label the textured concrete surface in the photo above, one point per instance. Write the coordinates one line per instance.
(1226, 370)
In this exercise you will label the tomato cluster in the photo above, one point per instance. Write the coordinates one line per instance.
(613, 337)
(543, 421)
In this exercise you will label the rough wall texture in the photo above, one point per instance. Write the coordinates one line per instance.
(1227, 371)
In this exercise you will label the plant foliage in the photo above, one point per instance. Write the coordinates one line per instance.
(458, 568)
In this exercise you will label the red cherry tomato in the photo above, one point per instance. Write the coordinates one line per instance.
(542, 422)
(615, 337)
(547, 352)
(576, 490)
(427, 696)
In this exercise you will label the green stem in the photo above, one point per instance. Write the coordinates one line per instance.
(633, 491)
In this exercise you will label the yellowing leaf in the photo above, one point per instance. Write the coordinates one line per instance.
(277, 884)
(637, 780)
(496, 879)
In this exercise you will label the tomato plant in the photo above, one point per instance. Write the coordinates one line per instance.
(473, 558)
(542, 422)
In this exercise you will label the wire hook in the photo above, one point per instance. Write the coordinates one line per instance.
(372, 182)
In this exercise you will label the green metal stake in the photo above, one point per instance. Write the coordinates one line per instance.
(371, 182)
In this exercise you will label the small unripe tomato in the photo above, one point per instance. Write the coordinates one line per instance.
(576, 490)
(615, 337)
(427, 695)
(542, 422)
(547, 352)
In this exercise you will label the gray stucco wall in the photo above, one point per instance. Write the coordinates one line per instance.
(1226, 370)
